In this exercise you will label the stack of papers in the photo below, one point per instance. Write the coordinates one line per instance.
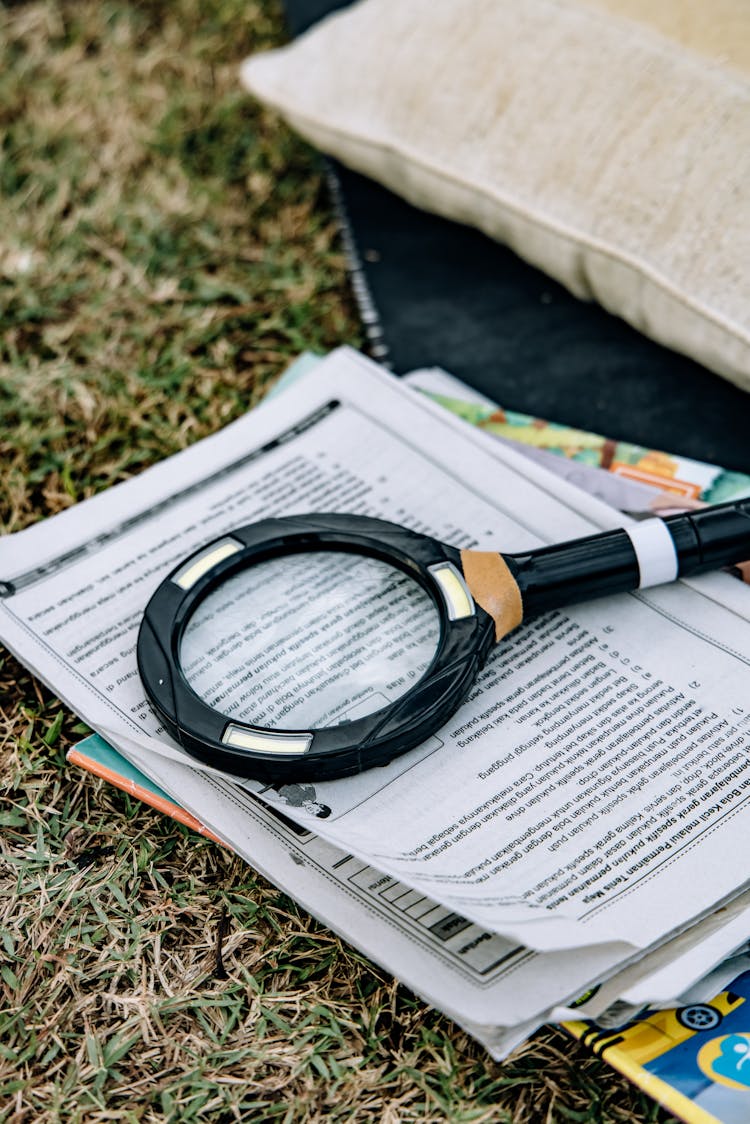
(570, 845)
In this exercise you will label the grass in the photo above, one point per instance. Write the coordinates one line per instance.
(166, 247)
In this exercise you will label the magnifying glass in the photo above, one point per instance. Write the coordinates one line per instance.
(317, 646)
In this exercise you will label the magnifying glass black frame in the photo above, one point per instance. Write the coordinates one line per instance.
(479, 596)
(282, 755)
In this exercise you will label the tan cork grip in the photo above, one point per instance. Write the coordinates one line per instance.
(494, 588)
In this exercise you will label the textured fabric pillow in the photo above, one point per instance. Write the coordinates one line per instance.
(606, 143)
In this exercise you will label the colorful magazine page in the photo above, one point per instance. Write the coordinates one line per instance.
(660, 472)
(99, 758)
(678, 476)
(695, 1060)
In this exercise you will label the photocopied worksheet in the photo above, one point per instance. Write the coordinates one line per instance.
(592, 791)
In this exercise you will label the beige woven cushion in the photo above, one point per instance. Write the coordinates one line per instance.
(608, 142)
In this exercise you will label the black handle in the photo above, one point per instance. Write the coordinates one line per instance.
(716, 536)
(648, 553)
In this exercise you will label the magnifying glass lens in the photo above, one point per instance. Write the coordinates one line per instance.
(310, 640)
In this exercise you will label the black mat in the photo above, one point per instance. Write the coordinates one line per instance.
(450, 297)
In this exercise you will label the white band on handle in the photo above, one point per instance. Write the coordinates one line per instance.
(655, 550)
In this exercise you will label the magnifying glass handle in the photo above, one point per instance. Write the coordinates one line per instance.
(651, 552)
